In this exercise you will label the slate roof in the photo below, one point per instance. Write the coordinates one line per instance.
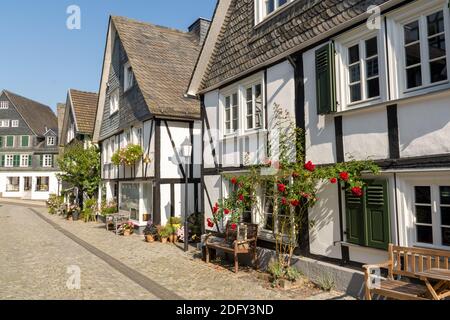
(37, 115)
(162, 60)
(84, 106)
(241, 45)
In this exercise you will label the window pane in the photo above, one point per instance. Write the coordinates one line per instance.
(412, 32)
(235, 112)
(371, 47)
(423, 214)
(414, 77)
(445, 194)
(436, 47)
(424, 234)
(270, 6)
(446, 236)
(412, 54)
(435, 23)
(258, 106)
(281, 2)
(438, 70)
(373, 88)
(423, 194)
(355, 73)
(372, 67)
(355, 92)
(353, 54)
(249, 97)
(445, 216)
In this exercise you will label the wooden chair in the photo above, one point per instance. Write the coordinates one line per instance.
(231, 244)
(405, 262)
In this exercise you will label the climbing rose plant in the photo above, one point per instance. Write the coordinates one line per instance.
(290, 185)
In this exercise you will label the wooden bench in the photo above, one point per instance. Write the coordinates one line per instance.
(232, 244)
(404, 262)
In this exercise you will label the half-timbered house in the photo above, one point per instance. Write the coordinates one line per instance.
(142, 101)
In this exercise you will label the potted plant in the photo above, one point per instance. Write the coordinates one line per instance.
(164, 234)
(73, 212)
(174, 225)
(150, 232)
(127, 228)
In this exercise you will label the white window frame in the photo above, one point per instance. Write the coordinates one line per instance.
(234, 111)
(240, 89)
(4, 123)
(4, 105)
(261, 13)
(114, 101)
(253, 101)
(343, 43)
(396, 22)
(24, 159)
(435, 215)
(47, 161)
(14, 123)
(9, 161)
(51, 140)
(128, 77)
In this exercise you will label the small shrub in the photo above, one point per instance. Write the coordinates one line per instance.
(326, 283)
(278, 271)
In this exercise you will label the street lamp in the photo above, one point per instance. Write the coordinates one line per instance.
(186, 152)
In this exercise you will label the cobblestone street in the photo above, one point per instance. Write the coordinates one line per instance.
(36, 253)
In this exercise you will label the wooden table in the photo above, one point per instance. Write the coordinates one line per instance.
(441, 289)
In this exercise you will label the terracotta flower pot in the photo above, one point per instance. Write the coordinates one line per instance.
(127, 233)
(163, 240)
(173, 238)
(150, 238)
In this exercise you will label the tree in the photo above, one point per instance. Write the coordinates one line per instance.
(81, 168)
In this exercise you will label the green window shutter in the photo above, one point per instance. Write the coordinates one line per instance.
(3, 161)
(355, 219)
(1, 142)
(10, 141)
(30, 160)
(16, 160)
(377, 211)
(41, 160)
(25, 141)
(325, 79)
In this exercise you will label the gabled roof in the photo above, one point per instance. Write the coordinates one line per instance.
(38, 116)
(236, 47)
(84, 108)
(162, 60)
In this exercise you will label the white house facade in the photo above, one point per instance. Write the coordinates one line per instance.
(142, 102)
(364, 83)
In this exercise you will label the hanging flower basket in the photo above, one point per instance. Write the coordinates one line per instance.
(128, 155)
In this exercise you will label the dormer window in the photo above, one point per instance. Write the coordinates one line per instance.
(114, 102)
(128, 77)
(50, 141)
(265, 8)
(4, 105)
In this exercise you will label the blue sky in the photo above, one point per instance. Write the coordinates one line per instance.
(41, 58)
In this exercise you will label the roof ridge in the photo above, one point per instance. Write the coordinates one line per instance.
(149, 24)
(31, 100)
(82, 91)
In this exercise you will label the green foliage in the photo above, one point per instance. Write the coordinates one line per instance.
(165, 231)
(151, 230)
(326, 283)
(175, 221)
(88, 213)
(279, 271)
(108, 208)
(81, 168)
(128, 155)
(55, 203)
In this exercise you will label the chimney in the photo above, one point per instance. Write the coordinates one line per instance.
(200, 29)
(60, 110)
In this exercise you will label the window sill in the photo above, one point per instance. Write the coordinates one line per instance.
(348, 244)
(246, 133)
(430, 246)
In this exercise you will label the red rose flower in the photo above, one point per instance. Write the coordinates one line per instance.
(310, 166)
(305, 195)
(295, 202)
(357, 191)
(216, 208)
(241, 197)
(333, 180)
(344, 176)
(233, 226)
(281, 187)
(226, 211)
(210, 223)
(233, 180)
(284, 201)
(269, 162)
(295, 175)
